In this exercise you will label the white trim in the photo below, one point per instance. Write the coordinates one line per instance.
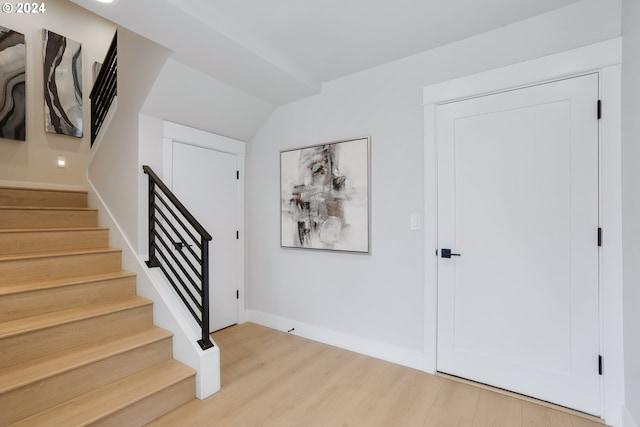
(611, 300)
(431, 239)
(548, 68)
(173, 132)
(390, 353)
(203, 139)
(604, 58)
(627, 419)
(168, 311)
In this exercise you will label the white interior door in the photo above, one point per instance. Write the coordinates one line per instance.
(518, 201)
(205, 181)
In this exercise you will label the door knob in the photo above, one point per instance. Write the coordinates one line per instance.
(179, 245)
(446, 253)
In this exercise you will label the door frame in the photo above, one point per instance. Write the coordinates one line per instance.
(175, 133)
(603, 58)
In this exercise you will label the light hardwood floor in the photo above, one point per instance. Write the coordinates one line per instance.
(270, 378)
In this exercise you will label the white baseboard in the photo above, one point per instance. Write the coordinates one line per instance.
(627, 419)
(390, 353)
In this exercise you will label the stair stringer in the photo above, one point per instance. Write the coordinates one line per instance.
(168, 311)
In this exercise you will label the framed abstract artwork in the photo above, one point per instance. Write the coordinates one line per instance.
(62, 84)
(12, 80)
(325, 196)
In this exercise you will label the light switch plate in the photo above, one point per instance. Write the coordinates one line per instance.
(415, 222)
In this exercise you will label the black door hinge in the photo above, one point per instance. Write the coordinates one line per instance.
(599, 109)
(237, 294)
(237, 174)
(600, 365)
(237, 234)
(599, 236)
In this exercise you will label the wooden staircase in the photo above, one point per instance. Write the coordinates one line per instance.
(77, 346)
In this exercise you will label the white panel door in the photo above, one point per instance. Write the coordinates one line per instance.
(518, 201)
(205, 182)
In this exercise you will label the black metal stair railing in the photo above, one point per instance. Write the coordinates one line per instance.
(104, 89)
(179, 246)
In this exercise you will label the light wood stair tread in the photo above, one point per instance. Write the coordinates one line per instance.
(50, 230)
(20, 240)
(21, 374)
(109, 399)
(47, 217)
(58, 283)
(77, 345)
(26, 196)
(47, 208)
(36, 255)
(52, 319)
(43, 189)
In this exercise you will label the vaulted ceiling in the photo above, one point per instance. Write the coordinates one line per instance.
(283, 50)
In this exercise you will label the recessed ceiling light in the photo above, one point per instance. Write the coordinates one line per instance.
(107, 1)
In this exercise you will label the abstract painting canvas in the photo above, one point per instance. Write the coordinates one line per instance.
(62, 84)
(12, 78)
(325, 196)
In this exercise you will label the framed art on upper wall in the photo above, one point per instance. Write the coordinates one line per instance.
(62, 84)
(12, 80)
(325, 197)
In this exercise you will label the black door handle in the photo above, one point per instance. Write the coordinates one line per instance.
(446, 253)
(179, 245)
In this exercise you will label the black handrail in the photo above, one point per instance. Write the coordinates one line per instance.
(172, 229)
(104, 89)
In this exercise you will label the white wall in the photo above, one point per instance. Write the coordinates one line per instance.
(35, 160)
(631, 203)
(118, 189)
(191, 98)
(379, 298)
(114, 168)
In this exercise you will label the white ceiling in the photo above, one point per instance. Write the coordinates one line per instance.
(282, 50)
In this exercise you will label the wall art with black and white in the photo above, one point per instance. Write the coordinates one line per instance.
(62, 84)
(12, 78)
(325, 199)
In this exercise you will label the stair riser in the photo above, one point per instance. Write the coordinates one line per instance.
(69, 342)
(154, 406)
(32, 398)
(53, 198)
(23, 242)
(41, 342)
(17, 271)
(46, 218)
(36, 302)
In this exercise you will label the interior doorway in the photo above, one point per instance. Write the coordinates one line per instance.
(206, 172)
(518, 289)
